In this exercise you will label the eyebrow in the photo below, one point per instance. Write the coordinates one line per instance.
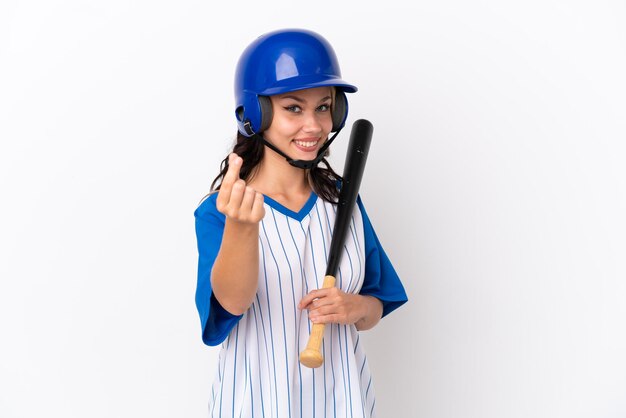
(299, 100)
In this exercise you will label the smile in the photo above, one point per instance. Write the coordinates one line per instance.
(306, 144)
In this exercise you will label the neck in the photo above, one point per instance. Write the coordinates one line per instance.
(276, 177)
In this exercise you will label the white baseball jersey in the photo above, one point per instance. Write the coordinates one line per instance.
(259, 374)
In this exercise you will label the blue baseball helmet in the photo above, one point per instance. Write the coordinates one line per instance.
(279, 62)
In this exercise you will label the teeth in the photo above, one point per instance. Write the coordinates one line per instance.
(306, 144)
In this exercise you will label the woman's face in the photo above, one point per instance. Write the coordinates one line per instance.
(301, 122)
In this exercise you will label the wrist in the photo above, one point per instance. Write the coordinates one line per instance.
(240, 227)
(370, 312)
(240, 236)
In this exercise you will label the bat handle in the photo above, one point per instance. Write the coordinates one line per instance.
(312, 355)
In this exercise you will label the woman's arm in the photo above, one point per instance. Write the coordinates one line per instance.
(234, 276)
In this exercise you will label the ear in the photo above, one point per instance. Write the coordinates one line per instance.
(340, 110)
(266, 112)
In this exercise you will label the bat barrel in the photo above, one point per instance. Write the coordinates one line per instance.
(358, 149)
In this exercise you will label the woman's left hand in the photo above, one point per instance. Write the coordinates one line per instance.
(333, 305)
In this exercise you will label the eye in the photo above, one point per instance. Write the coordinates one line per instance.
(324, 107)
(293, 108)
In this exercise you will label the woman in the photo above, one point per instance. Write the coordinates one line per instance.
(263, 238)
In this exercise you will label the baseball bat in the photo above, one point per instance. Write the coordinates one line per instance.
(356, 157)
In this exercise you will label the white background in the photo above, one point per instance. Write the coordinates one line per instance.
(496, 182)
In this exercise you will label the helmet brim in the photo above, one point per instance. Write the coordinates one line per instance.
(301, 83)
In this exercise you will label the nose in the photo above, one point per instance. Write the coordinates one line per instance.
(312, 123)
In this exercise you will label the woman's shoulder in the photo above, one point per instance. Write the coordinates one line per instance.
(207, 207)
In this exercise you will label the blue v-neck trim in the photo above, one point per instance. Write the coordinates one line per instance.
(298, 216)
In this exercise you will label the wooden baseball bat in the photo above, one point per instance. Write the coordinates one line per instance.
(356, 157)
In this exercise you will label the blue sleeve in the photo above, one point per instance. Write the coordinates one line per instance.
(216, 321)
(381, 279)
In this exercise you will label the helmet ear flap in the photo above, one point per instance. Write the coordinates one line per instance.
(266, 112)
(255, 116)
(339, 110)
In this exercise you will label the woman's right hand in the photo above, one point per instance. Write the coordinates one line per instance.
(236, 200)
